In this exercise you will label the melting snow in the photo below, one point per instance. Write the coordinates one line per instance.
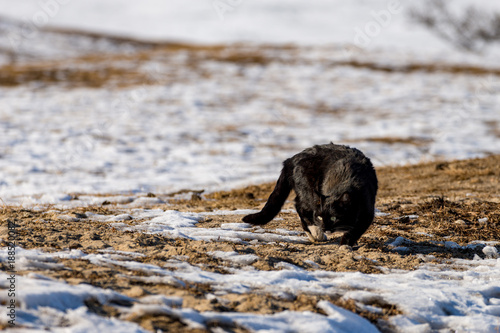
(431, 297)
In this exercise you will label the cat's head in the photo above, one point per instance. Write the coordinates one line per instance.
(337, 212)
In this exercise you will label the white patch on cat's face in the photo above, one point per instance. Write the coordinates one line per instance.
(315, 234)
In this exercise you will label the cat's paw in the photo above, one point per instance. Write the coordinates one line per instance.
(315, 234)
(346, 240)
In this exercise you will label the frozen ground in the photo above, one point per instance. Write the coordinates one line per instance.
(459, 295)
(87, 119)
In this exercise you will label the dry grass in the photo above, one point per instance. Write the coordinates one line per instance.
(93, 78)
(414, 141)
(475, 178)
(449, 199)
(98, 70)
(121, 70)
(422, 67)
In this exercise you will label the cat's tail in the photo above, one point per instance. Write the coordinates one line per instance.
(275, 200)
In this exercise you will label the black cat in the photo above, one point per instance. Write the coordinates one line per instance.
(335, 189)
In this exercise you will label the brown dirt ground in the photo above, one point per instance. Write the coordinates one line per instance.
(427, 203)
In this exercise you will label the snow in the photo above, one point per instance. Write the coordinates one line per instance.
(26, 259)
(483, 220)
(46, 303)
(462, 296)
(276, 21)
(95, 147)
(177, 224)
(241, 259)
(345, 319)
(490, 252)
(338, 320)
(488, 248)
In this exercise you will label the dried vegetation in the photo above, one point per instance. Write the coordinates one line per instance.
(427, 204)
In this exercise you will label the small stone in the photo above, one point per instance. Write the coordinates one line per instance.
(74, 245)
(89, 274)
(135, 292)
(95, 245)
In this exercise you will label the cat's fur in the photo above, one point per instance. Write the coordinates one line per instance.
(335, 189)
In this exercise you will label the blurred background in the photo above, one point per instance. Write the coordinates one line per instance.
(275, 21)
(120, 96)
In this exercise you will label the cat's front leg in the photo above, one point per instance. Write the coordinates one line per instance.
(363, 222)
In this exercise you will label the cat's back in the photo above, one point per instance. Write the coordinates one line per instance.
(331, 152)
(334, 163)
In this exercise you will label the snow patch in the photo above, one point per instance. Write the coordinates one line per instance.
(240, 259)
